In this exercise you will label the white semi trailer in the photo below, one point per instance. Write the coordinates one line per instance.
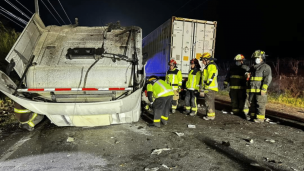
(78, 76)
(181, 39)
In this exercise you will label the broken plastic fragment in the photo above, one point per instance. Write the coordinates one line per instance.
(158, 151)
(272, 141)
(254, 164)
(180, 134)
(70, 139)
(152, 169)
(191, 126)
(165, 166)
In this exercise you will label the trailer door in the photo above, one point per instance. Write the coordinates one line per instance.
(177, 42)
(204, 39)
(187, 47)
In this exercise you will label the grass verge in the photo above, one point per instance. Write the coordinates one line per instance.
(284, 98)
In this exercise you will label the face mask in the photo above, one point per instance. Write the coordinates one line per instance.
(257, 60)
(238, 63)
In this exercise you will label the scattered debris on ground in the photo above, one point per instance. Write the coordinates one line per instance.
(191, 126)
(226, 143)
(224, 112)
(270, 140)
(140, 127)
(158, 151)
(152, 169)
(70, 139)
(165, 166)
(180, 134)
(249, 140)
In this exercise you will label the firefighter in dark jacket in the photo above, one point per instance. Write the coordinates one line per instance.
(237, 83)
(163, 94)
(259, 79)
(192, 86)
(209, 84)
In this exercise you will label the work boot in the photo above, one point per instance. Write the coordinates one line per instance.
(208, 118)
(258, 120)
(192, 114)
(164, 122)
(186, 112)
(173, 110)
(248, 117)
(26, 126)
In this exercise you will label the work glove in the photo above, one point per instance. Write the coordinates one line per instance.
(179, 89)
(202, 93)
(263, 92)
(247, 75)
(151, 105)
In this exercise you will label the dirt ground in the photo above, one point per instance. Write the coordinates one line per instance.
(227, 143)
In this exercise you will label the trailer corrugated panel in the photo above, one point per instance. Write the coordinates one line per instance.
(188, 39)
(157, 47)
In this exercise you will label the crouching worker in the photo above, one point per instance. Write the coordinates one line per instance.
(27, 118)
(163, 94)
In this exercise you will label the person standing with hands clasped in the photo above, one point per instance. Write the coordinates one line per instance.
(192, 86)
(259, 78)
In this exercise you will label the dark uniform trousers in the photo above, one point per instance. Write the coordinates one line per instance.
(238, 99)
(257, 104)
(209, 102)
(161, 109)
(191, 101)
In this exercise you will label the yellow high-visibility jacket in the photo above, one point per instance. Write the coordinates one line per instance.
(174, 78)
(159, 88)
(209, 78)
(193, 79)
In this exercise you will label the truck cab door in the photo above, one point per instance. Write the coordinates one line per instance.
(24, 47)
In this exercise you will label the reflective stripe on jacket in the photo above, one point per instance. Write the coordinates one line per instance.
(160, 88)
(236, 77)
(174, 78)
(209, 80)
(193, 79)
(260, 78)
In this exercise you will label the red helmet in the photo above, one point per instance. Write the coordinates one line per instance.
(172, 61)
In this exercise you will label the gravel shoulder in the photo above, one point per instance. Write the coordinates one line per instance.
(227, 143)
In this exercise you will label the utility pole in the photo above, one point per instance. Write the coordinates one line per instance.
(36, 7)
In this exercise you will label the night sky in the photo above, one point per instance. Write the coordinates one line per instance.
(274, 26)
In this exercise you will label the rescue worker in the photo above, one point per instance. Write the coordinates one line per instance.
(259, 79)
(237, 83)
(209, 84)
(163, 94)
(192, 86)
(26, 118)
(174, 79)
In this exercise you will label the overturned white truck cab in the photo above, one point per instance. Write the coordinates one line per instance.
(78, 76)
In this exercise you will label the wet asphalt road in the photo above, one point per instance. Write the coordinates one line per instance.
(222, 144)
